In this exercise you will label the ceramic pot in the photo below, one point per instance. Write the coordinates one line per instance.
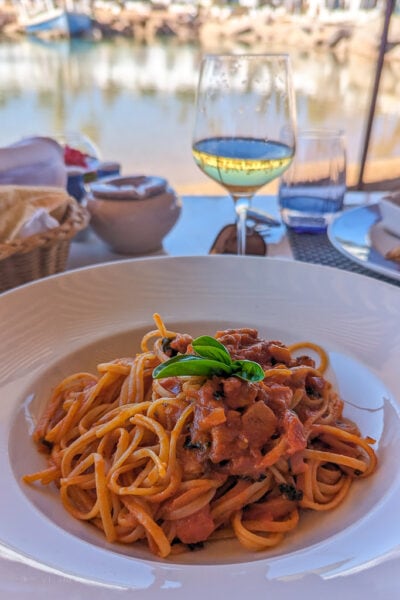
(133, 214)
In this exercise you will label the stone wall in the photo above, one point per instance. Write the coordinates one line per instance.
(217, 29)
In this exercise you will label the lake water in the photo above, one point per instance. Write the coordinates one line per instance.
(136, 102)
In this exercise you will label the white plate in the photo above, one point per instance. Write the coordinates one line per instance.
(69, 322)
(358, 234)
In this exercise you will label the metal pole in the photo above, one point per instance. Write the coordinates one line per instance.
(390, 4)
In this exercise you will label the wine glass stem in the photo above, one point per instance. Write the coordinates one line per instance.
(241, 206)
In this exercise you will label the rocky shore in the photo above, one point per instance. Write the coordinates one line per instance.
(221, 28)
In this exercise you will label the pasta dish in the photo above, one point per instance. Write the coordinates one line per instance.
(200, 439)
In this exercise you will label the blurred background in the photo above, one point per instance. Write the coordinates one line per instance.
(127, 80)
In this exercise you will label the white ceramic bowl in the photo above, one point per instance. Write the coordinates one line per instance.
(132, 215)
(390, 213)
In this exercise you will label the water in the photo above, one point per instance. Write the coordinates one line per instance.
(308, 210)
(136, 102)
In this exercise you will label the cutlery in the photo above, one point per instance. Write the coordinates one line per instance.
(260, 216)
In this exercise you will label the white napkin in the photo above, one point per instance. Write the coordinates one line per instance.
(35, 161)
(39, 222)
(390, 213)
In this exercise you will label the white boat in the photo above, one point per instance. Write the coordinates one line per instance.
(66, 21)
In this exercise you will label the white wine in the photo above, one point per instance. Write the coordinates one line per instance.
(242, 165)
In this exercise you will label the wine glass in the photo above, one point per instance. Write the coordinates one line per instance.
(244, 133)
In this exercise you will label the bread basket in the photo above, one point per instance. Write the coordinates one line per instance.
(43, 254)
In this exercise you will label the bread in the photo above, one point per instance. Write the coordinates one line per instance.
(393, 254)
(19, 203)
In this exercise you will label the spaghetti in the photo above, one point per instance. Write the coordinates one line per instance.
(177, 461)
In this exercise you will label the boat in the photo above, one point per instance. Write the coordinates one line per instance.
(63, 21)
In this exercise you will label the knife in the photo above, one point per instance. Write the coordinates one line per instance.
(260, 216)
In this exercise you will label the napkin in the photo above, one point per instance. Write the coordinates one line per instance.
(39, 222)
(390, 213)
(36, 161)
(26, 210)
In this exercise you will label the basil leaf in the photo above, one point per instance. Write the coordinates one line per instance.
(212, 353)
(188, 364)
(248, 370)
(209, 347)
(207, 340)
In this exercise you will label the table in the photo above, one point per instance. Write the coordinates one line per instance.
(203, 217)
(194, 233)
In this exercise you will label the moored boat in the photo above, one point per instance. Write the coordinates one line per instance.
(67, 21)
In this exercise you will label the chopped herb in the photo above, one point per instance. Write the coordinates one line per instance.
(196, 546)
(290, 491)
(192, 445)
(166, 347)
(253, 479)
(310, 391)
(175, 541)
(48, 445)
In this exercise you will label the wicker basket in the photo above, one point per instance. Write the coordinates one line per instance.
(42, 254)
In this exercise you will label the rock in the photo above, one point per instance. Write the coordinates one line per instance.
(337, 36)
(220, 28)
(393, 55)
(341, 50)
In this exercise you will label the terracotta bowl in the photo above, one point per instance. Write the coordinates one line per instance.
(133, 214)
